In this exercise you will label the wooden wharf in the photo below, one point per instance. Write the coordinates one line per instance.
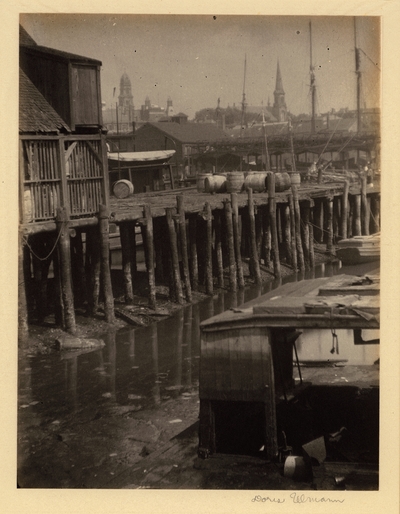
(221, 230)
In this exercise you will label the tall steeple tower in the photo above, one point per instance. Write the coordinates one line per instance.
(125, 99)
(279, 108)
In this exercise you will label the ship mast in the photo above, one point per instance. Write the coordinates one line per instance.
(312, 86)
(358, 74)
(244, 97)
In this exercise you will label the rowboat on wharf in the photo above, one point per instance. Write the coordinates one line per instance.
(359, 249)
(249, 361)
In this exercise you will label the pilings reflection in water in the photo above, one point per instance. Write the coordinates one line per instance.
(140, 368)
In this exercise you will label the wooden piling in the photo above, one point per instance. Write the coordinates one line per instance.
(345, 209)
(272, 224)
(184, 247)
(336, 218)
(174, 255)
(305, 232)
(231, 245)
(218, 247)
(105, 263)
(208, 260)
(92, 268)
(329, 224)
(311, 243)
(255, 264)
(150, 255)
(237, 239)
(267, 240)
(375, 214)
(194, 267)
(65, 270)
(364, 207)
(124, 232)
(299, 247)
(293, 232)
(78, 268)
(287, 233)
(23, 330)
(159, 250)
(356, 215)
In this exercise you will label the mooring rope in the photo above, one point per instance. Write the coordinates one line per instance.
(25, 241)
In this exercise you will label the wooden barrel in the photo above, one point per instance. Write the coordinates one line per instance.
(235, 181)
(282, 181)
(256, 180)
(123, 188)
(295, 178)
(215, 184)
(200, 181)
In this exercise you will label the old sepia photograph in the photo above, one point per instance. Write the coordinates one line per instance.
(199, 249)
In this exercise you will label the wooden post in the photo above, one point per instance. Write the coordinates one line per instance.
(305, 232)
(23, 330)
(184, 247)
(287, 233)
(150, 256)
(356, 215)
(92, 268)
(272, 224)
(105, 264)
(218, 247)
(364, 206)
(293, 232)
(159, 250)
(255, 264)
(299, 247)
(174, 255)
(311, 238)
(336, 218)
(208, 263)
(124, 232)
(231, 246)
(329, 224)
(267, 240)
(375, 213)
(77, 264)
(345, 209)
(237, 239)
(65, 270)
(194, 266)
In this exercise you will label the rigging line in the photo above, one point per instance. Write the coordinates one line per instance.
(368, 57)
(328, 140)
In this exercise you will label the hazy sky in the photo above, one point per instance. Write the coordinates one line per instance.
(197, 59)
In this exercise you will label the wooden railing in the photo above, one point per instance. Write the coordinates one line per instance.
(64, 171)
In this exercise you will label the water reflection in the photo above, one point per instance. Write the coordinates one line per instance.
(140, 367)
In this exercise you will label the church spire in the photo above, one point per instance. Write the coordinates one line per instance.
(279, 108)
(279, 85)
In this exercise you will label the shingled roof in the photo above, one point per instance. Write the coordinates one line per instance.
(36, 115)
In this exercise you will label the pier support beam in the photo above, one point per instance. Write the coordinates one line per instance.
(218, 247)
(255, 264)
(231, 246)
(64, 250)
(299, 247)
(194, 265)
(174, 256)
(105, 263)
(23, 331)
(184, 247)
(237, 239)
(345, 209)
(208, 263)
(124, 232)
(356, 215)
(364, 207)
(150, 256)
(329, 224)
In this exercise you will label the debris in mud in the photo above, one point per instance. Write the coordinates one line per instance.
(69, 342)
